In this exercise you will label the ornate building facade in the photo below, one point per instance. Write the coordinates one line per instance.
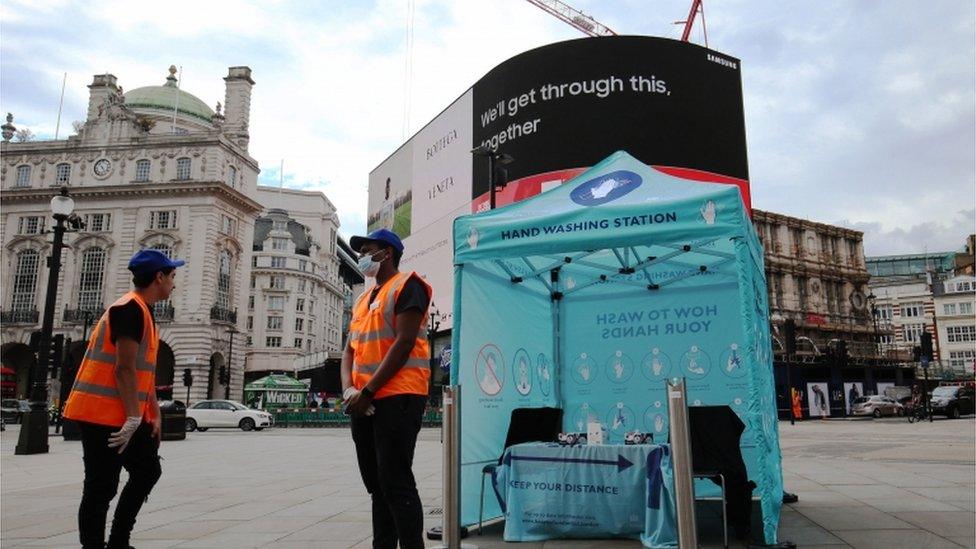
(295, 308)
(151, 168)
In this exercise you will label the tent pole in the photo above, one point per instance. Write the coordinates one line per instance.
(557, 338)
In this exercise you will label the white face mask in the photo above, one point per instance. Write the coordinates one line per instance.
(369, 266)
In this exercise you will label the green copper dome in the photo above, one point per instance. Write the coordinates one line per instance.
(165, 98)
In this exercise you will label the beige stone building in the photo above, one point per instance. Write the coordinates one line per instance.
(151, 168)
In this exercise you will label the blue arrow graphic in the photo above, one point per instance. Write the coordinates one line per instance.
(621, 462)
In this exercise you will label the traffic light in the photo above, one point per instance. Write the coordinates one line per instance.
(926, 341)
(789, 336)
(842, 352)
(57, 355)
(187, 377)
(916, 353)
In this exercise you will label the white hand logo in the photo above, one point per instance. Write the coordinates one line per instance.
(604, 189)
(656, 366)
(618, 369)
(658, 423)
(473, 238)
(708, 213)
(585, 372)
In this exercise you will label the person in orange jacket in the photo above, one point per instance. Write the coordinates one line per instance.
(385, 379)
(113, 400)
(797, 407)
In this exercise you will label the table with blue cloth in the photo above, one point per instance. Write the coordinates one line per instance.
(549, 491)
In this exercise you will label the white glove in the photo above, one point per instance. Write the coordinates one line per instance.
(122, 437)
(350, 391)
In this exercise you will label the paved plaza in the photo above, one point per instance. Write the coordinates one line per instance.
(870, 483)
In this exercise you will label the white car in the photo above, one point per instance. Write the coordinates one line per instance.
(225, 413)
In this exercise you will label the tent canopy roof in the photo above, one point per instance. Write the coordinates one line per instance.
(277, 382)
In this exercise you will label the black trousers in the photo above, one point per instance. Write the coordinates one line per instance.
(385, 443)
(102, 468)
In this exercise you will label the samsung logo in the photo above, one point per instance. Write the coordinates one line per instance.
(441, 143)
(722, 61)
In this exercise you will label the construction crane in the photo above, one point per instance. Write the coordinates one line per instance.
(696, 7)
(573, 17)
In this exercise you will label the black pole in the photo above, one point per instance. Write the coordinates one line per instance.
(33, 431)
(230, 362)
(491, 179)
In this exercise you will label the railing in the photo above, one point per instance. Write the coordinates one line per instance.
(79, 316)
(164, 312)
(221, 314)
(23, 316)
(325, 418)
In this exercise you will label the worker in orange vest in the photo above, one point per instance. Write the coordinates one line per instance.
(385, 378)
(797, 406)
(113, 400)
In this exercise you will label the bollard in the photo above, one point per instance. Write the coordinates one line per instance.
(684, 488)
(451, 531)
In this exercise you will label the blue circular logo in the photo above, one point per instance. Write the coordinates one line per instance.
(606, 188)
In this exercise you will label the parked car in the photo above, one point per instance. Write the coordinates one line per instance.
(13, 410)
(225, 413)
(952, 401)
(877, 406)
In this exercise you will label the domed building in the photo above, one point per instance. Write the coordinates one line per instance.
(154, 167)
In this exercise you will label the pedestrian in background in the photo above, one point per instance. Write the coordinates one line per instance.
(385, 379)
(114, 402)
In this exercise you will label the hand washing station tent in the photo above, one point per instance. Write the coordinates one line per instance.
(589, 296)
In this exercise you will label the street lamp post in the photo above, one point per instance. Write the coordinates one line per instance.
(494, 158)
(230, 361)
(34, 430)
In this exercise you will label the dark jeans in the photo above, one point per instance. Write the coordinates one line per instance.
(384, 448)
(102, 468)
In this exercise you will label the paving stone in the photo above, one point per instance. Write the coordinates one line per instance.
(886, 539)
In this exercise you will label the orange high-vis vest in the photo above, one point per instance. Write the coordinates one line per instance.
(372, 333)
(95, 397)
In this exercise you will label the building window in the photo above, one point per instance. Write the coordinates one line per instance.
(886, 339)
(227, 225)
(25, 281)
(949, 308)
(250, 302)
(797, 241)
(966, 308)
(884, 312)
(959, 359)
(310, 324)
(63, 176)
(275, 322)
(96, 223)
(276, 303)
(223, 280)
(253, 282)
(277, 263)
(801, 291)
(90, 281)
(33, 224)
(961, 334)
(183, 169)
(250, 341)
(168, 252)
(302, 264)
(232, 176)
(912, 332)
(272, 341)
(301, 285)
(911, 310)
(299, 324)
(298, 343)
(162, 219)
(142, 170)
(308, 344)
(280, 244)
(278, 225)
(23, 176)
(250, 323)
(277, 282)
(300, 304)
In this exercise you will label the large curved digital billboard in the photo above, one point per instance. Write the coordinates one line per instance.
(557, 110)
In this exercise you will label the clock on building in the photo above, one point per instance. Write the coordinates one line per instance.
(102, 167)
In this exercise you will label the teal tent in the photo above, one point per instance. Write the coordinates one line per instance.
(589, 296)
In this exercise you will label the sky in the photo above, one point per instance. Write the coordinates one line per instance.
(858, 113)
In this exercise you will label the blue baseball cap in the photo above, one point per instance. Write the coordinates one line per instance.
(150, 261)
(384, 236)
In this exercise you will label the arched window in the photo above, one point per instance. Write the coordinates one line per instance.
(25, 281)
(91, 279)
(232, 177)
(223, 280)
(63, 174)
(142, 170)
(183, 168)
(162, 308)
(23, 176)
